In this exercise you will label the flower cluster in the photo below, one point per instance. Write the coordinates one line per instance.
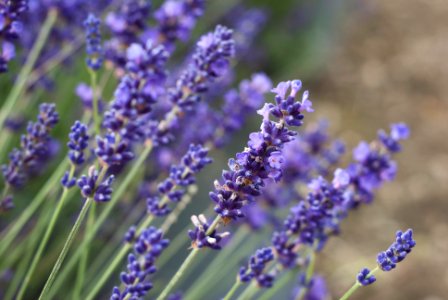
(149, 245)
(93, 42)
(256, 268)
(365, 278)
(126, 25)
(181, 176)
(314, 220)
(404, 242)
(92, 186)
(203, 236)
(210, 61)
(262, 159)
(78, 142)
(36, 148)
(10, 28)
(176, 19)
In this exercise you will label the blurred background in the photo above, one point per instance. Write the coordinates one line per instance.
(367, 64)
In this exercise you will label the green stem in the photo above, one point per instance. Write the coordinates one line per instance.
(206, 280)
(187, 262)
(308, 275)
(11, 232)
(116, 196)
(96, 115)
(20, 84)
(232, 291)
(279, 284)
(356, 286)
(45, 239)
(84, 258)
(248, 292)
(67, 245)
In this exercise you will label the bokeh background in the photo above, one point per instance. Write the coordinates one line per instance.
(366, 64)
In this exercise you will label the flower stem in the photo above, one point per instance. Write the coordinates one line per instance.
(232, 291)
(67, 245)
(356, 286)
(96, 115)
(116, 196)
(45, 239)
(248, 292)
(11, 232)
(279, 284)
(308, 275)
(187, 262)
(20, 84)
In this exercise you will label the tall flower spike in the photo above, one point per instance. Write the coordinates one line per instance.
(36, 148)
(10, 29)
(93, 42)
(78, 142)
(181, 176)
(199, 236)
(149, 245)
(404, 242)
(262, 159)
(256, 268)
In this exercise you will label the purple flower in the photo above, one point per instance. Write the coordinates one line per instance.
(201, 238)
(78, 142)
(404, 242)
(93, 42)
(363, 277)
(141, 263)
(91, 188)
(113, 152)
(256, 268)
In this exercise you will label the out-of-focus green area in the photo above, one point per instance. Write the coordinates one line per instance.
(366, 64)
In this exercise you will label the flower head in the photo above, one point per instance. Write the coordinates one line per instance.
(93, 42)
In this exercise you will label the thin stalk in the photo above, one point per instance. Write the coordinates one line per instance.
(96, 115)
(11, 232)
(67, 245)
(185, 265)
(279, 284)
(205, 281)
(232, 291)
(84, 258)
(20, 84)
(357, 285)
(45, 239)
(249, 292)
(27, 255)
(116, 196)
(308, 275)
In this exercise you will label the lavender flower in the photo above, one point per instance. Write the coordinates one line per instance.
(149, 245)
(91, 188)
(78, 142)
(176, 19)
(256, 268)
(364, 278)
(68, 181)
(10, 28)
(181, 176)
(111, 151)
(404, 242)
(36, 148)
(316, 288)
(93, 42)
(201, 238)
(262, 158)
(6, 204)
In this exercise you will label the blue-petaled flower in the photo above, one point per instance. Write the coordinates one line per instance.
(404, 242)
(78, 142)
(201, 238)
(67, 181)
(36, 148)
(181, 176)
(6, 204)
(10, 28)
(256, 268)
(175, 20)
(364, 278)
(398, 131)
(91, 188)
(210, 61)
(262, 159)
(93, 42)
(110, 151)
(141, 263)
